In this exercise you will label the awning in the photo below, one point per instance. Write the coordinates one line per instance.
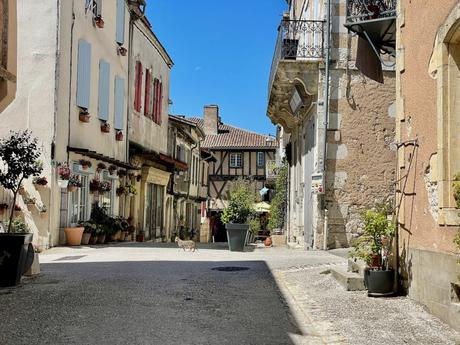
(101, 157)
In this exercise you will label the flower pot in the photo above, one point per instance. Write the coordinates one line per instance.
(63, 183)
(105, 128)
(85, 238)
(93, 239)
(122, 51)
(268, 242)
(40, 186)
(14, 254)
(119, 136)
(379, 283)
(84, 118)
(42, 214)
(72, 188)
(236, 236)
(140, 237)
(101, 239)
(73, 236)
(99, 22)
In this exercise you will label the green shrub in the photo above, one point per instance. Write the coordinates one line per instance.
(279, 201)
(241, 204)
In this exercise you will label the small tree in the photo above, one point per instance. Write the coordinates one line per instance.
(241, 203)
(19, 154)
(279, 201)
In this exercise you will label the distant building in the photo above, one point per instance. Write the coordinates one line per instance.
(239, 153)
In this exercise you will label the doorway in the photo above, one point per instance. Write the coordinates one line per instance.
(154, 212)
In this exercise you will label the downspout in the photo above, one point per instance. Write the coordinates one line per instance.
(326, 101)
(128, 103)
(70, 78)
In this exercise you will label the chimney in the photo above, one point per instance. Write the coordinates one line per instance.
(211, 119)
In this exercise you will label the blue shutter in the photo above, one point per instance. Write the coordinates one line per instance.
(120, 21)
(119, 102)
(104, 87)
(83, 74)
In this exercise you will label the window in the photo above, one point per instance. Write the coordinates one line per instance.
(79, 206)
(236, 160)
(260, 159)
(138, 86)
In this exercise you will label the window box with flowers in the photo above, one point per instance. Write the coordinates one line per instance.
(74, 183)
(39, 183)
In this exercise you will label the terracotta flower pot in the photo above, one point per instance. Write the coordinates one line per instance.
(268, 242)
(84, 118)
(105, 128)
(99, 22)
(101, 239)
(122, 51)
(72, 188)
(119, 136)
(85, 238)
(73, 236)
(40, 186)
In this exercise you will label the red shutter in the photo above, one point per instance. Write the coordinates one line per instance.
(160, 102)
(155, 103)
(138, 87)
(147, 93)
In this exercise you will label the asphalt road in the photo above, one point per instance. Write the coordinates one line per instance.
(151, 294)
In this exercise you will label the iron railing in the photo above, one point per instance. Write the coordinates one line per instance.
(362, 10)
(298, 40)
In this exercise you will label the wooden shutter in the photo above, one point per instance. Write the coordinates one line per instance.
(138, 86)
(83, 74)
(147, 93)
(155, 95)
(119, 105)
(103, 92)
(120, 31)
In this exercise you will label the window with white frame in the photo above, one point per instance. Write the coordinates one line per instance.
(79, 202)
(260, 159)
(236, 160)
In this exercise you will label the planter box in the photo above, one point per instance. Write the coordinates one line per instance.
(236, 236)
(73, 236)
(14, 250)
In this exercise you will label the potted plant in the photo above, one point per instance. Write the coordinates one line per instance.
(120, 191)
(74, 183)
(105, 127)
(85, 164)
(18, 154)
(64, 173)
(84, 116)
(124, 229)
(29, 201)
(122, 51)
(100, 166)
(236, 215)
(119, 136)
(112, 168)
(74, 234)
(140, 236)
(130, 190)
(39, 182)
(94, 186)
(121, 173)
(99, 22)
(90, 227)
(105, 186)
(374, 246)
(42, 210)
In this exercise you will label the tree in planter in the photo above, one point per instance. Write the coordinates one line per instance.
(241, 204)
(279, 202)
(19, 154)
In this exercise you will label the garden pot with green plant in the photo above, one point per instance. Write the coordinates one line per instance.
(374, 247)
(237, 214)
(74, 183)
(40, 183)
(19, 155)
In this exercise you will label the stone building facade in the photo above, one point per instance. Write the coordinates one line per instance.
(355, 168)
(8, 52)
(427, 129)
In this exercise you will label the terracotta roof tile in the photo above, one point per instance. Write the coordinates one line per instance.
(233, 137)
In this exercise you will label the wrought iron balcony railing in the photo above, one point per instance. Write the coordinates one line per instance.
(298, 40)
(362, 10)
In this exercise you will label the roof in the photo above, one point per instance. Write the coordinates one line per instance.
(232, 137)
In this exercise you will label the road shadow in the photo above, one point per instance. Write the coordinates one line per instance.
(148, 302)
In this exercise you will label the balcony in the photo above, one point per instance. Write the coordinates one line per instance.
(294, 71)
(375, 21)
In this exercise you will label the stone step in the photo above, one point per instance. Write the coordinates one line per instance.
(357, 266)
(351, 281)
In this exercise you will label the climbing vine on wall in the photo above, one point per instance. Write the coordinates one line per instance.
(279, 201)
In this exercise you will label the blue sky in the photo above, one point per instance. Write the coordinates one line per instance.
(222, 51)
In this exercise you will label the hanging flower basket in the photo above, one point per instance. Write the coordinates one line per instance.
(105, 127)
(105, 186)
(85, 164)
(84, 116)
(122, 51)
(63, 183)
(94, 186)
(112, 168)
(39, 182)
(101, 166)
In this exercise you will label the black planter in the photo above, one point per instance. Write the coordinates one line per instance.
(14, 250)
(236, 236)
(379, 283)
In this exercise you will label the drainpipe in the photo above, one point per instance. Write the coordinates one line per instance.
(326, 104)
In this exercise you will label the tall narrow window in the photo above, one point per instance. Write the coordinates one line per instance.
(138, 86)
(83, 74)
(147, 93)
(260, 159)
